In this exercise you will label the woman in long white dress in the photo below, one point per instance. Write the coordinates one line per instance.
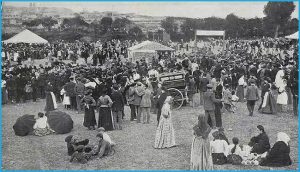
(165, 134)
(280, 82)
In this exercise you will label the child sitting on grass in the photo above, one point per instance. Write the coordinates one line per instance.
(80, 155)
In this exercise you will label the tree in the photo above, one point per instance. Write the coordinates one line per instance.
(291, 27)
(232, 26)
(188, 28)
(279, 13)
(120, 24)
(211, 23)
(169, 25)
(74, 23)
(48, 22)
(136, 33)
(106, 23)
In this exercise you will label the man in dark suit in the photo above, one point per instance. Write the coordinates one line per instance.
(209, 105)
(117, 107)
(252, 96)
(203, 87)
(70, 91)
(293, 83)
(196, 75)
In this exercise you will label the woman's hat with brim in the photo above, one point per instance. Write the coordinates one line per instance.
(251, 81)
(101, 129)
(209, 86)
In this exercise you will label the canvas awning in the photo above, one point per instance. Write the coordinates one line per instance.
(210, 33)
(293, 36)
(26, 36)
(150, 46)
(146, 50)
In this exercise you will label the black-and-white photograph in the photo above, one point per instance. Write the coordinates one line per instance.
(150, 85)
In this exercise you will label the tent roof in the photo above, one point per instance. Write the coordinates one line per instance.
(150, 46)
(293, 36)
(210, 33)
(26, 36)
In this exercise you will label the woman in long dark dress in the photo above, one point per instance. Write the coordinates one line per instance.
(269, 102)
(50, 98)
(89, 104)
(279, 155)
(105, 117)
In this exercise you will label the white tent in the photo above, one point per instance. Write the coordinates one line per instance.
(146, 50)
(293, 36)
(26, 36)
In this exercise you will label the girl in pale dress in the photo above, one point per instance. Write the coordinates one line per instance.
(165, 134)
(66, 100)
(201, 157)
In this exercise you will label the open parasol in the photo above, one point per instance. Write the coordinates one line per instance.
(24, 125)
(60, 122)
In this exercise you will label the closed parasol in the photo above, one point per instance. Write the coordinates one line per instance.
(24, 125)
(60, 122)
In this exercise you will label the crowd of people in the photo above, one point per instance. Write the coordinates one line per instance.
(219, 75)
(211, 147)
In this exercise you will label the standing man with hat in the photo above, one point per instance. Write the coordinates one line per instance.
(252, 96)
(209, 105)
(117, 107)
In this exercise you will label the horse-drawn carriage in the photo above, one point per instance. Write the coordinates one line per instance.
(176, 86)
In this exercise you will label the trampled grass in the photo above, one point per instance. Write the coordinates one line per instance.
(134, 149)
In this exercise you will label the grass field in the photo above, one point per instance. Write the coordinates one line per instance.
(134, 148)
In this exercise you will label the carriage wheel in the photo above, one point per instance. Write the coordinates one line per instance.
(178, 98)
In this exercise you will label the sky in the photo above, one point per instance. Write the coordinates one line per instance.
(177, 9)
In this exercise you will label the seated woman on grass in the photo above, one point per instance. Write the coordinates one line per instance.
(260, 143)
(279, 155)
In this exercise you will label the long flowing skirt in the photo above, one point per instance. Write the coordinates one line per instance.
(50, 102)
(105, 119)
(165, 134)
(201, 158)
(240, 93)
(66, 100)
(89, 117)
(282, 98)
(42, 131)
(269, 104)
